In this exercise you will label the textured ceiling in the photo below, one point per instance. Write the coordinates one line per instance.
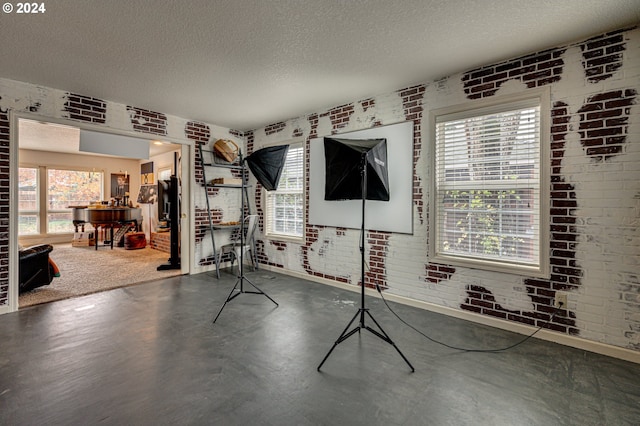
(244, 64)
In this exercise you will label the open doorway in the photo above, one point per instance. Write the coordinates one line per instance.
(56, 177)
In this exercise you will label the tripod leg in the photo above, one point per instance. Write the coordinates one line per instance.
(384, 336)
(343, 336)
(229, 297)
(260, 291)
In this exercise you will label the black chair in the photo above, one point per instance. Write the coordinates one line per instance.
(35, 268)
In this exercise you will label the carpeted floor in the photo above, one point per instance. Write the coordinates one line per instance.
(84, 270)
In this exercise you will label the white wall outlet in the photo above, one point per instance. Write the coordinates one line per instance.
(560, 301)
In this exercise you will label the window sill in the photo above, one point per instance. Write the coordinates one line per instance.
(286, 238)
(536, 271)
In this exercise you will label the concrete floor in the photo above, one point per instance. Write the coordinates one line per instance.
(149, 354)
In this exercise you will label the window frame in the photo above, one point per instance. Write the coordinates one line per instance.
(496, 104)
(38, 201)
(266, 196)
(42, 189)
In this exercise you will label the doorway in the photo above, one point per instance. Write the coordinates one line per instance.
(55, 146)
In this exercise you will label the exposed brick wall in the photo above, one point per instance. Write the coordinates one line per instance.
(367, 103)
(200, 133)
(4, 207)
(436, 272)
(146, 121)
(603, 55)
(565, 272)
(161, 241)
(604, 119)
(378, 243)
(340, 116)
(535, 70)
(412, 103)
(274, 128)
(482, 301)
(85, 108)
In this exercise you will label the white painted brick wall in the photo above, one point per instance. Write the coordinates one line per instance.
(606, 303)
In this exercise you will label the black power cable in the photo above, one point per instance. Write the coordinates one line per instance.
(455, 347)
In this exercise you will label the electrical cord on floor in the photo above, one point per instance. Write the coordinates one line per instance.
(464, 349)
(450, 346)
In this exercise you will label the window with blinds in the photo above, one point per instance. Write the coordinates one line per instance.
(487, 198)
(285, 205)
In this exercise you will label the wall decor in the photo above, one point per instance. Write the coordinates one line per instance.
(119, 185)
(146, 174)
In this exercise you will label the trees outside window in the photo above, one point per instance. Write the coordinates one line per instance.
(488, 183)
(45, 196)
(285, 206)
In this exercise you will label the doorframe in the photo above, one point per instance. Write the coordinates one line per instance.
(187, 176)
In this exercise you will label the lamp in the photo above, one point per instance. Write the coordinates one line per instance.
(266, 165)
(346, 161)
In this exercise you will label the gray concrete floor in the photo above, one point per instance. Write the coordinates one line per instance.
(149, 354)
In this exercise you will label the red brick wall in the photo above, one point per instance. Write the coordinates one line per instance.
(161, 241)
(84, 108)
(146, 121)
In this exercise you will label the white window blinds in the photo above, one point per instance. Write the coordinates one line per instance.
(285, 205)
(487, 184)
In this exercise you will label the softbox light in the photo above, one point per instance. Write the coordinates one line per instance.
(357, 169)
(344, 159)
(267, 164)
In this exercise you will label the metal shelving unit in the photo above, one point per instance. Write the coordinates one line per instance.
(212, 228)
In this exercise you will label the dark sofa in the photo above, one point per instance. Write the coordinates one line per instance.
(36, 269)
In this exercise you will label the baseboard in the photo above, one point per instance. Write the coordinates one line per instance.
(548, 335)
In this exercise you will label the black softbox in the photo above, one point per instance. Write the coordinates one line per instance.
(344, 159)
(267, 164)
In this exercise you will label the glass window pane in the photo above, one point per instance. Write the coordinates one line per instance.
(72, 187)
(488, 185)
(285, 205)
(60, 223)
(27, 189)
(27, 224)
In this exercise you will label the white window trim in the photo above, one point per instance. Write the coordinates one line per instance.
(37, 213)
(542, 270)
(43, 194)
(285, 237)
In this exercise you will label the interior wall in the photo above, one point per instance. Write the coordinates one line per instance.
(594, 202)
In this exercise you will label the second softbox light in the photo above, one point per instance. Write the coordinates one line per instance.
(343, 162)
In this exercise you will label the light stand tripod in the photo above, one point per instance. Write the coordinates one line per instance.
(363, 311)
(238, 288)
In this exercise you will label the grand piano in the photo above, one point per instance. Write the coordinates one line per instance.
(107, 218)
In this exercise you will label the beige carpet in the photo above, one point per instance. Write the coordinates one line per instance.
(83, 270)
